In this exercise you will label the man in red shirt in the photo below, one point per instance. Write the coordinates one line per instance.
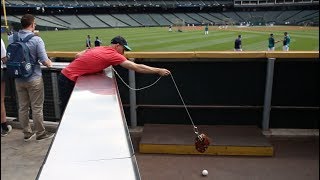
(96, 59)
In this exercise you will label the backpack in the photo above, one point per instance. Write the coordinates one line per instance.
(20, 63)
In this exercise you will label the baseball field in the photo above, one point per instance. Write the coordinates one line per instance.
(190, 39)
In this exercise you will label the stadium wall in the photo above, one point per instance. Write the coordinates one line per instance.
(219, 88)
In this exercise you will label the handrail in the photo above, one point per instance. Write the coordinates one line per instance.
(92, 142)
(206, 54)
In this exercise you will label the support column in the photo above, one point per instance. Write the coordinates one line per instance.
(55, 94)
(133, 103)
(268, 94)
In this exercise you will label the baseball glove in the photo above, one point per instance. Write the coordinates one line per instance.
(202, 143)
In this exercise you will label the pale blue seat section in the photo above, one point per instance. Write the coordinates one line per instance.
(144, 19)
(197, 3)
(16, 2)
(282, 18)
(92, 143)
(39, 22)
(270, 16)
(160, 19)
(172, 18)
(92, 21)
(198, 17)
(11, 18)
(302, 16)
(34, 2)
(69, 2)
(53, 20)
(170, 2)
(211, 18)
(186, 19)
(246, 16)
(142, 2)
(52, 3)
(313, 17)
(233, 16)
(73, 20)
(184, 2)
(85, 3)
(110, 20)
(115, 3)
(258, 14)
(220, 17)
(127, 19)
(101, 3)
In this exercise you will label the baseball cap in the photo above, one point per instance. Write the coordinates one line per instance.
(120, 40)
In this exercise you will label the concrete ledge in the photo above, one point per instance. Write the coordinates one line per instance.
(225, 140)
(291, 133)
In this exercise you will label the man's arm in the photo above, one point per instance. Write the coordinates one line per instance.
(141, 68)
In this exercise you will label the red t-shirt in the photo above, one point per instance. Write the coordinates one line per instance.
(92, 61)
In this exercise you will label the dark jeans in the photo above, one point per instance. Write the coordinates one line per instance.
(65, 89)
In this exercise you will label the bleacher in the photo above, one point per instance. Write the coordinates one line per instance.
(75, 14)
(244, 15)
(160, 19)
(144, 19)
(73, 20)
(111, 21)
(197, 17)
(282, 18)
(52, 3)
(170, 17)
(127, 19)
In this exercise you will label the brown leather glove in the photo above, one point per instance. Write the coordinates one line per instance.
(202, 143)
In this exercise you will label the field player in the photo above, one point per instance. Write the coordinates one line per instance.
(237, 44)
(286, 42)
(271, 43)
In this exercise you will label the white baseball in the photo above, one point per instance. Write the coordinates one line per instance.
(204, 172)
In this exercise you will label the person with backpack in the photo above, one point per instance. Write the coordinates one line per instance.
(28, 78)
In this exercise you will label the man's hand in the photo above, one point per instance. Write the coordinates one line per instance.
(47, 63)
(164, 72)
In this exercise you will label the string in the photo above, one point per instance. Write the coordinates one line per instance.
(135, 89)
(184, 104)
(174, 82)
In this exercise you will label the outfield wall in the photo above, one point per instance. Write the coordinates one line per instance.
(267, 89)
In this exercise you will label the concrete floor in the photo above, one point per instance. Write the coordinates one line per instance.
(295, 159)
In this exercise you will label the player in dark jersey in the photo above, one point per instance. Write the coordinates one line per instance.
(286, 42)
(97, 42)
(237, 44)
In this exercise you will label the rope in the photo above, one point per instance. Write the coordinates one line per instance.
(195, 129)
(135, 89)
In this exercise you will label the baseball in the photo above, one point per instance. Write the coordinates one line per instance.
(204, 172)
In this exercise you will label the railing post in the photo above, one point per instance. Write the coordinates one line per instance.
(268, 94)
(133, 103)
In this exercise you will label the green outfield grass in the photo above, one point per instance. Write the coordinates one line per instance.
(191, 39)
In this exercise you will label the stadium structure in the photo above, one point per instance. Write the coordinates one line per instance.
(77, 14)
(232, 96)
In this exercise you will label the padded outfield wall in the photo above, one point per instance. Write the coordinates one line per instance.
(219, 88)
